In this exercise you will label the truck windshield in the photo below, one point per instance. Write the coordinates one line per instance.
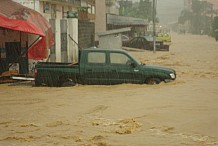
(133, 58)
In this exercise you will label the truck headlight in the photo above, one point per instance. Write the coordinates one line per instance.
(172, 75)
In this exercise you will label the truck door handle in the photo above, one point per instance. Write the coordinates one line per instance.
(113, 70)
(89, 70)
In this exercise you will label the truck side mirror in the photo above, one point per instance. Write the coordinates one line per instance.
(131, 63)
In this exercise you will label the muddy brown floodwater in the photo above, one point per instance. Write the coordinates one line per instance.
(179, 113)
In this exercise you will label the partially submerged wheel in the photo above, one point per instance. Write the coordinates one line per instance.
(153, 81)
(68, 83)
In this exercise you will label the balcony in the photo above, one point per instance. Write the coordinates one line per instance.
(86, 16)
(91, 2)
(109, 2)
(64, 2)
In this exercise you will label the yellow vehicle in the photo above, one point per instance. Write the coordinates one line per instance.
(164, 37)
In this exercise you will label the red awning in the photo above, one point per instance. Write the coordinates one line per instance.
(17, 17)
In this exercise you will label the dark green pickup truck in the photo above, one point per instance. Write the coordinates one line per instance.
(101, 66)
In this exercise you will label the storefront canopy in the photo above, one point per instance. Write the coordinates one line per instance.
(19, 18)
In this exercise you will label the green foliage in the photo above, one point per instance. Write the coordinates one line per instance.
(141, 9)
(198, 17)
(185, 16)
(215, 23)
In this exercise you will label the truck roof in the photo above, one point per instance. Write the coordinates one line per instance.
(105, 50)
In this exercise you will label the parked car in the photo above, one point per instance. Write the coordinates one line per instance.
(101, 66)
(146, 43)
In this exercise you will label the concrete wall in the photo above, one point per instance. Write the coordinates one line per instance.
(100, 19)
(86, 33)
(112, 41)
(73, 47)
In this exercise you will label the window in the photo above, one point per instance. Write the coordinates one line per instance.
(118, 58)
(96, 57)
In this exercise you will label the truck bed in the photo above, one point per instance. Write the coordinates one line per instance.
(55, 64)
(55, 74)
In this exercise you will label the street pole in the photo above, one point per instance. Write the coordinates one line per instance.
(34, 4)
(154, 26)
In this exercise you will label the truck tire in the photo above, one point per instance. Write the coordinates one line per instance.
(36, 83)
(68, 83)
(153, 81)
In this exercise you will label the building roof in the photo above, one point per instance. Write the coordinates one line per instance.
(122, 20)
(109, 32)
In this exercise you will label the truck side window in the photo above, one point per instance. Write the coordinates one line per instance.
(96, 57)
(118, 58)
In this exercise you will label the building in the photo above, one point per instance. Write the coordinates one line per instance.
(108, 18)
(112, 7)
(25, 34)
(69, 20)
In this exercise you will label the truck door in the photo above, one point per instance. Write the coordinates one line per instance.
(121, 71)
(95, 70)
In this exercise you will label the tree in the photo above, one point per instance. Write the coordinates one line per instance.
(141, 9)
(215, 24)
(186, 15)
(198, 17)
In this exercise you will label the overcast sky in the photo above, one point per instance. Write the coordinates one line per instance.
(168, 11)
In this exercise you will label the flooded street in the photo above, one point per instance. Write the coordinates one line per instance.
(182, 112)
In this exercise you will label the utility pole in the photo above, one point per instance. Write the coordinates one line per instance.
(34, 4)
(154, 26)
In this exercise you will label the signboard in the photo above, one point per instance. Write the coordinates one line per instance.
(71, 14)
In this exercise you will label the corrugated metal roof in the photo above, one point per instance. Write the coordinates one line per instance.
(109, 32)
(122, 20)
(11, 9)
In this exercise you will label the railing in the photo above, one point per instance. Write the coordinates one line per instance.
(109, 2)
(86, 16)
(75, 2)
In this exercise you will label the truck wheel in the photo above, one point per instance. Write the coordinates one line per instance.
(153, 81)
(68, 83)
(36, 84)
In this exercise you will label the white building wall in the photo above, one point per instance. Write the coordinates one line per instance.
(100, 17)
(114, 43)
(58, 33)
(72, 46)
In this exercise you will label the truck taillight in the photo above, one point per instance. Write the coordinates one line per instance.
(35, 72)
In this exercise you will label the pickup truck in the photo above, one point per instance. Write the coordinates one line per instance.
(101, 67)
